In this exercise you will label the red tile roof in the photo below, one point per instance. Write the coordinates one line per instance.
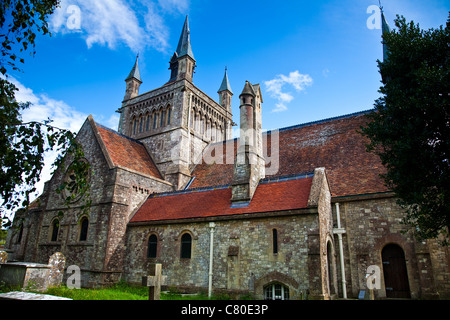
(269, 197)
(127, 152)
(334, 144)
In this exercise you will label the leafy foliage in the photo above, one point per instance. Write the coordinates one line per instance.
(22, 145)
(410, 129)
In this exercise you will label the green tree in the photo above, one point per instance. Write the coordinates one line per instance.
(22, 145)
(410, 128)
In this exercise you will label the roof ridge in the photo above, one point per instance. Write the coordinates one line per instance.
(186, 191)
(118, 133)
(301, 125)
(287, 177)
(266, 180)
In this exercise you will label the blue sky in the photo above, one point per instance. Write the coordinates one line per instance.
(313, 59)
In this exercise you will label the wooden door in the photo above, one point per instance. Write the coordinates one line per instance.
(395, 273)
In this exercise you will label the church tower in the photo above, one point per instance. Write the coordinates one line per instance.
(176, 121)
(182, 64)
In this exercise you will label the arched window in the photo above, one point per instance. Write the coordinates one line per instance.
(152, 246)
(219, 133)
(186, 245)
(155, 119)
(275, 241)
(202, 128)
(161, 124)
(134, 125)
(147, 125)
(213, 132)
(276, 291)
(55, 230)
(141, 124)
(208, 129)
(169, 114)
(84, 225)
(196, 122)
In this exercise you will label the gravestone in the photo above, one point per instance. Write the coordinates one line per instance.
(154, 281)
(3, 257)
(57, 263)
(27, 275)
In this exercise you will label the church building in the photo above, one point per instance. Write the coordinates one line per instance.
(295, 213)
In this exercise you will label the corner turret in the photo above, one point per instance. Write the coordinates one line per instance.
(225, 93)
(133, 82)
(182, 64)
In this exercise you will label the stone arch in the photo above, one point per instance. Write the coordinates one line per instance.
(54, 229)
(83, 228)
(396, 278)
(275, 277)
(152, 245)
(410, 259)
(186, 240)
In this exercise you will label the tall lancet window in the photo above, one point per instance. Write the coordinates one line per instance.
(186, 246)
(152, 248)
(275, 241)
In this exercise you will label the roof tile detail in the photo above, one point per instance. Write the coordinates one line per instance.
(128, 153)
(269, 197)
(334, 144)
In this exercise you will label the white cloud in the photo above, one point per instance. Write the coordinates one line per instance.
(180, 6)
(157, 31)
(275, 87)
(111, 122)
(42, 107)
(109, 22)
(279, 107)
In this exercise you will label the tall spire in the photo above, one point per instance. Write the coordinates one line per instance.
(384, 29)
(135, 71)
(184, 44)
(225, 83)
(133, 82)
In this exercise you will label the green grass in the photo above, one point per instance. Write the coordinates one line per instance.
(120, 291)
(123, 291)
(117, 292)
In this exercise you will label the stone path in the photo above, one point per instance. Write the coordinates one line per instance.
(19, 295)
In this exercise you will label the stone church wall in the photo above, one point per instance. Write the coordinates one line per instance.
(373, 223)
(243, 254)
(115, 193)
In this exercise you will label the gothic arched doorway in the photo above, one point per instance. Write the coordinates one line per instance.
(394, 271)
